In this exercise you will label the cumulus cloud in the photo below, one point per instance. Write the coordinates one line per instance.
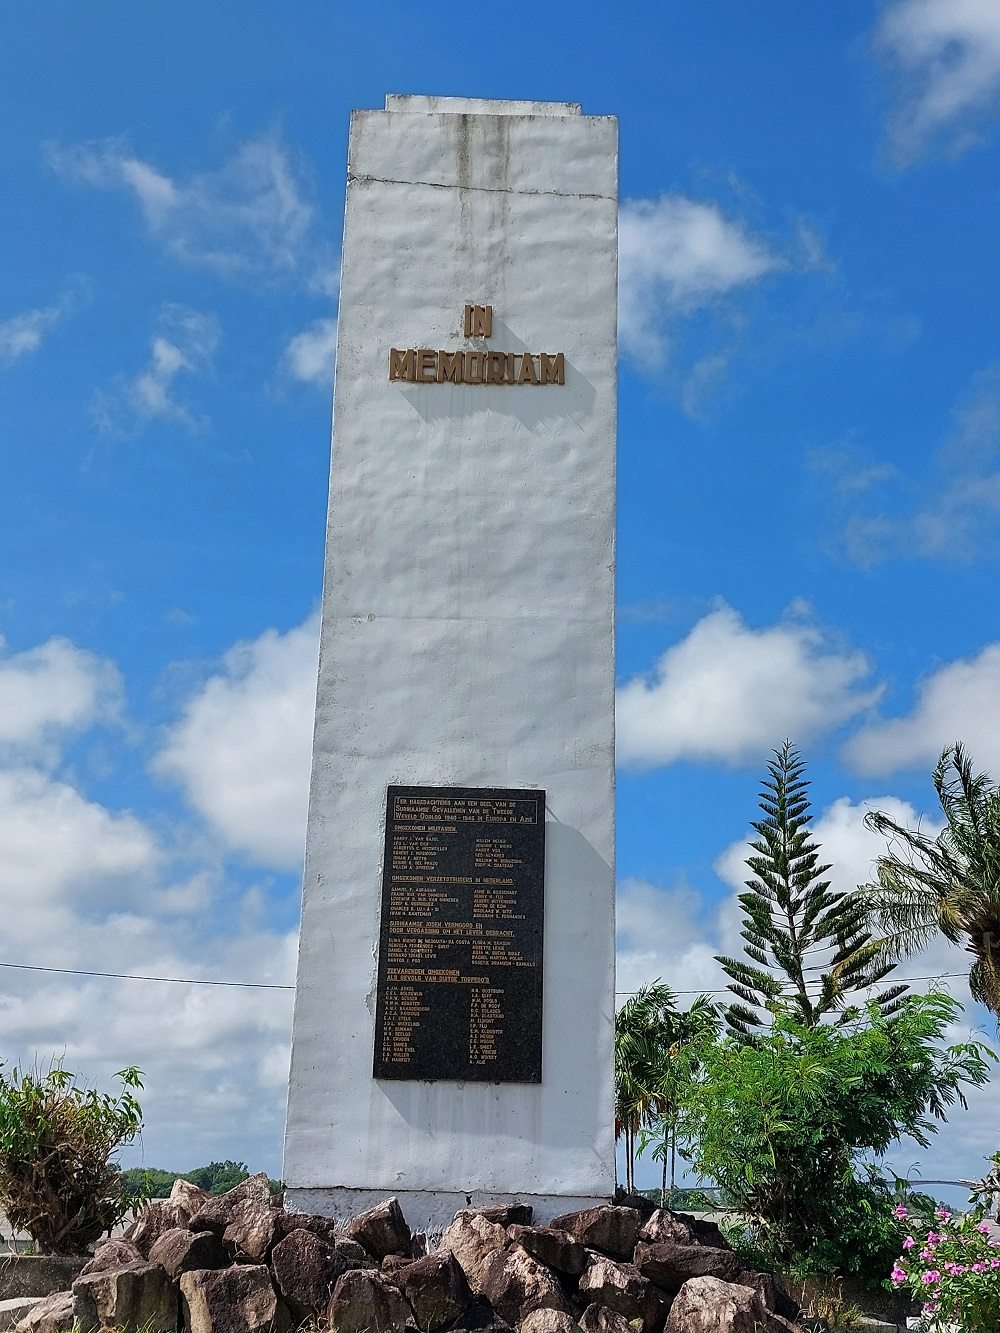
(945, 56)
(52, 689)
(183, 345)
(22, 334)
(729, 693)
(241, 750)
(665, 934)
(678, 255)
(308, 355)
(958, 702)
(253, 215)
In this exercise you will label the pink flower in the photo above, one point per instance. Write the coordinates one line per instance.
(942, 1214)
(984, 1228)
(932, 1238)
(979, 1268)
(900, 1212)
(898, 1276)
(931, 1277)
(909, 1243)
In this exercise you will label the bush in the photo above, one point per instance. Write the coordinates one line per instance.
(58, 1180)
(952, 1265)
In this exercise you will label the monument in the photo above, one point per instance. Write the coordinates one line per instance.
(452, 1041)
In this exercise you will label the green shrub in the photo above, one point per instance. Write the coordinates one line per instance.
(58, 1179)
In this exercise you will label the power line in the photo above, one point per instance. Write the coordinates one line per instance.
(133, 976)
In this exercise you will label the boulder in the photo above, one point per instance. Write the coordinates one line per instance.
(179, 1250)
(112, 1254)
(473, 1240)
(127, 1298)
(186, 1199)
(664, 1225)
(436, 1289)
(232, 1300)
(382, 1230)
(626, 1199)
(670, 1265)
(481, 1318)
(505, 1214)
(558, 1249)
(599, 1319)
(772, 1294)
(708, 1305)
(306, 1268)
(393, 1264)
(621, 1287)
(286, 1223)
(49, 1314)
(607, 1228)
(150, 1225)
(219, 1210)
(253, 1221)
(365, 1301)
(548, 1321)
(353, 1254)
(515, 1284)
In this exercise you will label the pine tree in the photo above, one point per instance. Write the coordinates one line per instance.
(807, 945)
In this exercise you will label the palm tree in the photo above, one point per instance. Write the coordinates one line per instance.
(654, 1042)
(948, 884)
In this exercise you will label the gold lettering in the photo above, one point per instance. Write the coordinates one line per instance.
(496, 370)
(475, 367)
(450, 367)
(401, 364)
(510, 368)
(553, 368)
(478, 321)
(426, 366)
(527, 374)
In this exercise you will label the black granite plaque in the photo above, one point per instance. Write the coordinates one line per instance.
(460, 944)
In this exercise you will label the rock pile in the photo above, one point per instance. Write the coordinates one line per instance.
(238, 1263)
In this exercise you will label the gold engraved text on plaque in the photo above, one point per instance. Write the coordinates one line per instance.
(425, 365)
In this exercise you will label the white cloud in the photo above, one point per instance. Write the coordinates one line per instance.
(308, 355)
(729, 693)
(251, 216)
(664, 934)
(678, 255)
(183, 345)
(23, 334)
(958, 702)
(49, 690)
(946, 58)
(242, 748)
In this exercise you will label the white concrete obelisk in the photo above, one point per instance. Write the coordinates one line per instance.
(467, 636)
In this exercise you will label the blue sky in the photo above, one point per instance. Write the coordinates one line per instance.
(809, 476)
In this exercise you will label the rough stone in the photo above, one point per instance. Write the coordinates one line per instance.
(306, 1268)
(150, 1225)
(437, 1290)
(130, 1297)
(548, 1321)
(514, 1283)
(664, 1225)
(393, 1264)
(643, 1206)
(112, 1254)
(219, 1210)
(607, 1228)
(382, 1230)
(253, 1221)
(186, 1200)
(180, 1250)
(558, 1249)
(772, 1294)
(670, 1265)
(599, 1319)
(473, 1240)
(50, 1314)
(353, 1254)
(286, 1223)
(481, 1318)
(364, 1301)
(621, 1287)
(232, 1300)
(708, 1305)
(506, 1214)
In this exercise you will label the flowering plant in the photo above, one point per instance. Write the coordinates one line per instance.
(952, 1265)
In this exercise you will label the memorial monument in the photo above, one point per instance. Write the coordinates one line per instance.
(454, 1015)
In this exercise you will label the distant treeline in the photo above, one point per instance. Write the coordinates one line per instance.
(216, 1178)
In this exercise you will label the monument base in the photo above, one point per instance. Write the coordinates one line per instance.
(429, 1211)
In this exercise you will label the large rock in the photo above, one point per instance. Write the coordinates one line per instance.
(664, 1225)
(548, 1245)
(505, 1214)
(481, 1318)
(133, 1296)
(708, 1305)
(620, 1286)
(437, 1290)
(180, 1250)
(365, 1301)
(626, 1199)
(548, 1321)
(186, 1199)
(286, 1223)
(49, 1314)
(232, 1300)
(670, 1265)
(150, 1225)
(112, 1254)
(599, 1319)
(219, 1210)
(772, 1294)
(607, 1228)
(473, 1240)
(306, 1268)
(515, 1284)
(382, 1230)
(253, 1221)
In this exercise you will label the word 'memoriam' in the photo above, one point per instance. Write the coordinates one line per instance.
(424, 365)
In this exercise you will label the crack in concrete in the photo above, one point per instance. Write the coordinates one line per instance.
(482, 189)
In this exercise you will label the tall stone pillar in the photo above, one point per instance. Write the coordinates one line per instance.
(466, 681)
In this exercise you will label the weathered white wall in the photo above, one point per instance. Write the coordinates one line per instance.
(467, 637)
